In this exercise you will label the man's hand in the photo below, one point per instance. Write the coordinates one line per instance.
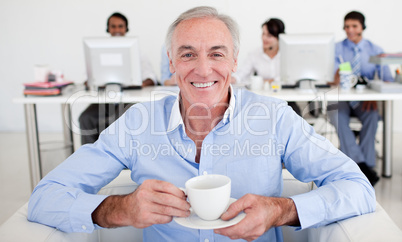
(262, 213)
(147, 82)
(154, 202)
(369, 105)
(337, 79)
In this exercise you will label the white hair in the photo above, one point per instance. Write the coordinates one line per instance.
(203, 12)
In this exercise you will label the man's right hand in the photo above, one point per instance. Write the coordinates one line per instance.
(154, 202)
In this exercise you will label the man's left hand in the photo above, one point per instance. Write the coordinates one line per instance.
(262, 213)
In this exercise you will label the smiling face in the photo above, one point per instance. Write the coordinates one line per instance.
(354, 30)
(117, 26)
(203, 60)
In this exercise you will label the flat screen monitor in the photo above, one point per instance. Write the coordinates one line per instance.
(307, 57)
(112, 60)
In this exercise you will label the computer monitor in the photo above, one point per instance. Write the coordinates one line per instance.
(112, 60)
(307, 57)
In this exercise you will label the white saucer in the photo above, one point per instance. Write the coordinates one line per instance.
(194, 222)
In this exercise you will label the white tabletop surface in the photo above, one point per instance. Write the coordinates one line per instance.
(79, 95)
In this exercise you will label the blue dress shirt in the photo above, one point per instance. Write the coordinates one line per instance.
(345, 49)
(256, 136)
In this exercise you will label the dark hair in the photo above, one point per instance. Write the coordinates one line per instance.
(356, 16)
(275, 26)
(118, 15)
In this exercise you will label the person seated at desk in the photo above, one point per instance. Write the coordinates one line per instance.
(97, 117)
(196, 133)
(265, 61)
(357, 50)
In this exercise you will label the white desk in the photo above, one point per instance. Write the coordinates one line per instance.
(155, 93)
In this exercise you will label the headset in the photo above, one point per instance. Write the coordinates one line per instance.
(356, 16)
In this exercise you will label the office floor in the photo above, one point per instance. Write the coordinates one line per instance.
(15, 182)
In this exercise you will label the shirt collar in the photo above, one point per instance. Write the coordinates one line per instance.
(352, 45)
(228, 115)
(176, 119)
(277, 56)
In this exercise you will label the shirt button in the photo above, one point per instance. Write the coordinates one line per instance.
(205, 173)
(84, 227)
(206, 240)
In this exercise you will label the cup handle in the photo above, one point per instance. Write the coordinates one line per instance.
(354, 80)
(184, 190)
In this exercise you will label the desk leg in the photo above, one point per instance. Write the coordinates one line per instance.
(33, 144)
(387, 140)
(67, 127)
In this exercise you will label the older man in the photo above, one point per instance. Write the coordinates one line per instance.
(209, 128)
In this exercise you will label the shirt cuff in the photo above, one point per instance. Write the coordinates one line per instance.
(81, 212)
(310, 209)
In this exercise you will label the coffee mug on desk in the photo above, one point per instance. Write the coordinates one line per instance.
(41, 73)
(347, 80)
(208, 195)
(256, 83)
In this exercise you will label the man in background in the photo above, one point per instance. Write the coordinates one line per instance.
(97, 117)
(357, 50)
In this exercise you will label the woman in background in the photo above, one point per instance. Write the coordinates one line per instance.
(265, 61)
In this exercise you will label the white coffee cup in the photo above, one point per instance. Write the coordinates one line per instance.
(41, 73)
(347, 80)
(256, 83)
(360, 87)
(209, 195)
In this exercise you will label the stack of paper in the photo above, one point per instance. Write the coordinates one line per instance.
(45, 88)
(386, 87)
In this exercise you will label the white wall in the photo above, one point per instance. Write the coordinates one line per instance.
(51, 32)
